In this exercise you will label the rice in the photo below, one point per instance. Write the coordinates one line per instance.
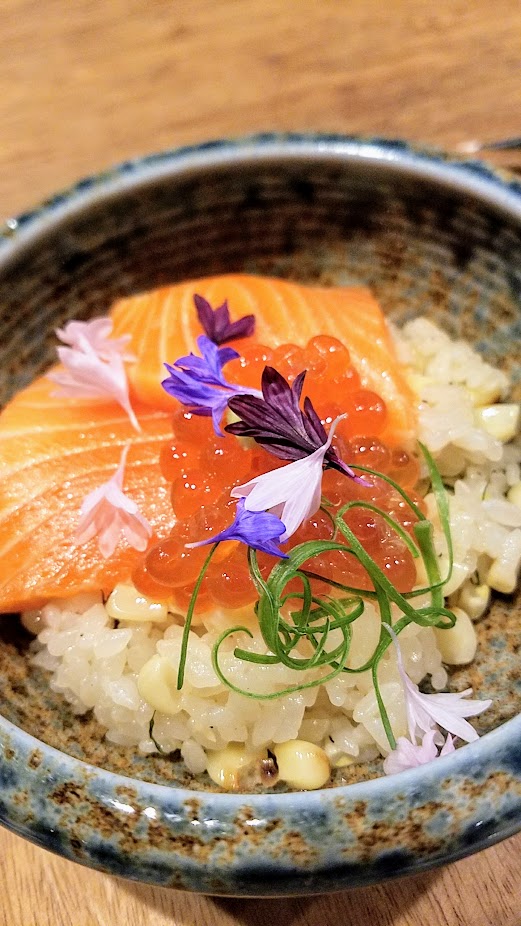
(96, 666)
(102, 665)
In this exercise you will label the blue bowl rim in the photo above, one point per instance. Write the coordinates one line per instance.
(473, 176)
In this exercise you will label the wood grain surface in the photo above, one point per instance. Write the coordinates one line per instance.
(84, 84)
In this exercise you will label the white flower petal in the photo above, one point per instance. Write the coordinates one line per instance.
(95, 335)
(449, 715)
(300, 506)
(295, 490)
(88, 374)
(410, 755)
(446, 709)
(447, 747)
(108, 513)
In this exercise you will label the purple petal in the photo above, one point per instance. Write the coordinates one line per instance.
(276, 420)
(198, 382)
(242, 328)
(201, 398)
(312, 422)
(257, 529)
(216, 322)
(205, 314)
(208, 367)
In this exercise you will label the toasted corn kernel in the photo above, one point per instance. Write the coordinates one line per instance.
(127, 604)
(157, 684)
(224, 765)
(474, 599)
(458, 644)
(500, 421)
(302, 765)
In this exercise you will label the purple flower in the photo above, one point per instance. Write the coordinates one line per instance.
(276, 421)
(200, 398)
(199, 383)
(294, 491)
(257, 529)
(208, 367)
(217, 324)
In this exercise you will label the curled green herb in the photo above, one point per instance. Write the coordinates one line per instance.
(313, 633)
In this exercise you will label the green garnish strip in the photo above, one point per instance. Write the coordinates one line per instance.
(317, 617)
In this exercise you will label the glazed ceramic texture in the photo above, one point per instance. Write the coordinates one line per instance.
(430, 236)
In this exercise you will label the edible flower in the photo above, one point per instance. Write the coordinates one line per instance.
(275, 420)
(411, 755)
(94, 367)
(208, 367)
(199, 382)
(109, 513)
(295, 490)
(257, 529)
(95, 335)
(217, 324)
(444, 709)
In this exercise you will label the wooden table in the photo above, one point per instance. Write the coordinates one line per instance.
(84, 84)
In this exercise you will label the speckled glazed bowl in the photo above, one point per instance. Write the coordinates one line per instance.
(429, 235)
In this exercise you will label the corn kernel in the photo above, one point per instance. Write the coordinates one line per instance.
(500, 421)
(126, 604)
(474, 599)
(157, 684)
(457, 644)
(502, 575)
(487, 392)
(224, 765)
(302, 765)
(501, 578)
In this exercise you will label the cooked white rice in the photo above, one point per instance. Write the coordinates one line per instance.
(98, 664)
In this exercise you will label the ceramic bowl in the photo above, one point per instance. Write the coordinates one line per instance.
(430, 235)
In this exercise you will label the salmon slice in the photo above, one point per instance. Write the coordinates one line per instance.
(53, 452)
(164, 325)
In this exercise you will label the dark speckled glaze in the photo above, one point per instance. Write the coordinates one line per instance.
(430, 235)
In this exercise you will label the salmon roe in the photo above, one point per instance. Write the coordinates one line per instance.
(202, 468)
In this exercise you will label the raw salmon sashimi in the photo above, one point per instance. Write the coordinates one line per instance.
(53, 453)
(164, 325)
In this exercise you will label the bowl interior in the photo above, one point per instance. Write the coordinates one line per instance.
(424, 245)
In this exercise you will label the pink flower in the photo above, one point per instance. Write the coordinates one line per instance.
(94, 367)
(410, 755)
(94, 335)
(294, 491)
(447, 710)
(109, 513)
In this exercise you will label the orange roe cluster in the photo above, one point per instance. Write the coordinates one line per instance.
(202, 468)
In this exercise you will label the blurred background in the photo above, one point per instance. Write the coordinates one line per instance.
(84, 83)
